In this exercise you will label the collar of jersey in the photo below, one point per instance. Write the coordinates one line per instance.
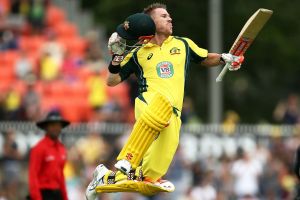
(50, 141)
(166, 41)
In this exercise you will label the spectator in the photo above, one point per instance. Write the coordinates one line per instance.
(97, 87)
(246, 172)
(53, 48)
(13, 104)
(112, 111)
(20, 7)
(188, 115)
(73, 175)
(31, 101)
(36, 15)
(177, 173)
(230, 122)
(204, 190)
(93, 52)
(2, 106)
(11, 164)
(288, 112)
(49, 69)
(47, 160)
(287, 181)
(92, 149)
(23, 66)
(70, 66)
(296, 167)
(8, 41)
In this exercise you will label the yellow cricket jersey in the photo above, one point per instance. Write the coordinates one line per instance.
(163, 68)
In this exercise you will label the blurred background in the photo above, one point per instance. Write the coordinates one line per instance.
(53, 56)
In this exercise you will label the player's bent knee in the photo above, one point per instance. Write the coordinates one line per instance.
(158, 113)
(152, 121)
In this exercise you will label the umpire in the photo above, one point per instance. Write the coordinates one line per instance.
(47, 160)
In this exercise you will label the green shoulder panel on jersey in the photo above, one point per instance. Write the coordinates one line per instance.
(131, 65)
(129, 56)
(197, 54)
(193, 53)
(127, 65)
(187, 58)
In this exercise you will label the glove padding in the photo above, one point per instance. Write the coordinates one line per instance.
(234, 62)
(116, 44)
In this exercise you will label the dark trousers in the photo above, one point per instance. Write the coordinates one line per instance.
(51, 194)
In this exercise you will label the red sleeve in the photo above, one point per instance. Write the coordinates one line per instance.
(35, 161)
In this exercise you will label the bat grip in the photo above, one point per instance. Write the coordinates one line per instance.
(222, 73)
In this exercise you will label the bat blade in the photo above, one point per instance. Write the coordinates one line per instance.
(247, 35)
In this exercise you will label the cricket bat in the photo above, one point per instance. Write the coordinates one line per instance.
(247, 35)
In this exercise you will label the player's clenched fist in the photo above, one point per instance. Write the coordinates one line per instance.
(234, 62)
(116, 44)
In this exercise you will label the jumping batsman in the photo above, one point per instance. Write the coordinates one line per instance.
(161, 65)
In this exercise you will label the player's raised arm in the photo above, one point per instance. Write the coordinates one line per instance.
(137, 27)
(215, 59)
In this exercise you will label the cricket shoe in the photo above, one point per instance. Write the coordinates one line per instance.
(168, 185)
(165, 184)
(98, 179)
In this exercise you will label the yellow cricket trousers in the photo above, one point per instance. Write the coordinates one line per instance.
(160, 154)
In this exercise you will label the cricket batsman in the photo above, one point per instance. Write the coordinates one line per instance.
(161, 64)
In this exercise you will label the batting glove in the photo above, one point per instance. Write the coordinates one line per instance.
(116, 44)
(234, 62)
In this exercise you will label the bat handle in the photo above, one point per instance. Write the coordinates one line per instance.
(222, 73)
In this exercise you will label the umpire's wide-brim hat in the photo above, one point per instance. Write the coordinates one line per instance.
(51, 118)
(135, 26)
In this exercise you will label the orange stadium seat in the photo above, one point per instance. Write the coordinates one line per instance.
(7, 73)
(84, 73)
(48, 104)
(75, 45)
(65, 29)
(5, 5)
(120, 93)
(31, 43)
(20, 87)
(79, 90)
(9, 58)
(54, 15)
(5, 85)
(38, 87)
(59, 89)
(76, 110)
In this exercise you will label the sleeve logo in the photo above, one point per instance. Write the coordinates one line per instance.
(165, 69)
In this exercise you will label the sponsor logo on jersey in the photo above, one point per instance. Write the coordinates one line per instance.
(165, 69)
(174, 50)
(149, 56)
(49, 158)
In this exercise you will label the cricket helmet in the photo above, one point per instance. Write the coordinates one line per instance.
(51, 117)
(136, 26)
